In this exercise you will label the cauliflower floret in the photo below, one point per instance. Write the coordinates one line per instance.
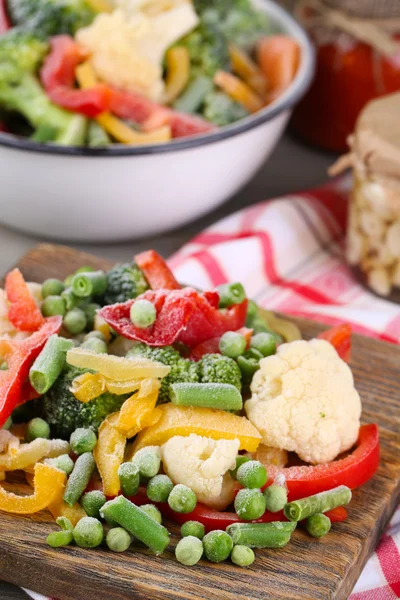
(304, 400)
(202, 464)
(128, 45)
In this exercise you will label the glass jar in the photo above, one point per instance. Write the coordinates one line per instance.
(349, 71)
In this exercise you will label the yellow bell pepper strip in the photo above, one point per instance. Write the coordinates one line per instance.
(238, 91)
(116, 367)
(29, 454)
(109, 454)
(100, 5)
(134, 412)
(88, 386)
(86, 78)
(122, 387)
(47, 483)
(103, 327)
(2, 475)
(148, 421)
(58, 507)
(207, 422)
(178, 71)
(248, 70)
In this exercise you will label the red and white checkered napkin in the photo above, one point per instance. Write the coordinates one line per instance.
(288, 253)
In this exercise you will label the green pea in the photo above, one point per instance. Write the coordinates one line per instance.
(37, 428)
(252, 474)
(242, 556)
(318, 525)
(249, 363)
(148, 460)
(83, 440)
(217, 545)
(230, 294)
(275, 497)
(159, 488)
(240, 460)
(232, 344)
(52, 287)
(143, 313)
(90, 312)
(264, 343)
(182, 499)
(92, 502)
(129, 478)
(152, 512)
(94, 334)
(189, 551)
(118, 539)
(63, 462)
(53, 306)
(88, 533)
(250, 504)
(95, 345)
(193, 528)
(75, 321)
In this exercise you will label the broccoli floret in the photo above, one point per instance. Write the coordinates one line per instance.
(182, 369)
(221, 110)
(64, 413)
(208, 50)
(50, 17)
(216, 368)
(123, 283)
(21, 53)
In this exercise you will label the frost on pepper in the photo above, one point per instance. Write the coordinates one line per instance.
(202, 464)
(304, 400)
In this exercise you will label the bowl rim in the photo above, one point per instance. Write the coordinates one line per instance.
(284, 103)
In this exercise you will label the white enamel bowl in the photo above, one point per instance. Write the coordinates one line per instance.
(126, 192)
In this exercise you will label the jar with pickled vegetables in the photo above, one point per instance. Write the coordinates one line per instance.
(357, 60)
(373, 234)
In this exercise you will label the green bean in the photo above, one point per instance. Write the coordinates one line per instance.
(182, 499)
(264, 343)
(84, 269)
(189, 551)
(143, 313)
(242, 556)
(37, 428)
(252, 474)
(319, 503)
(193, 96)
(223, 396)
(217, 545)
(90, 312)
(193, 528)
(75, 321)
(249, 363)
(250, 504)
(57, 539)
(92, 502)
(79, 478)
(53, 306)
(71, 301)
(63, 462)
(153, 512)
(8, 423)
(49, 364)
(275, 497)
(129, 478)
(240, 460)
(159, 488)
(137, 523)
(118, 539)
(261, 535)
(318, 525)
(88, 533)
(232, 344)
(89, 284)
(230, 294)
(83, 440)
(97, 137)
(52, 287)
(148, 461)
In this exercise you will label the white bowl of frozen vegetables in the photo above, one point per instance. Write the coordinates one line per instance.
(163, 112)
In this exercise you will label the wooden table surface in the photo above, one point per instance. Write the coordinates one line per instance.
(292, 167)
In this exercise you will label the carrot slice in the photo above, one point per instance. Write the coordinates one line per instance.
(238, 91)
(278, 57)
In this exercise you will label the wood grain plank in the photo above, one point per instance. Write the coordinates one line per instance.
(306, 569)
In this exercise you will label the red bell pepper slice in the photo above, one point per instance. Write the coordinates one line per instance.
(354, 470)
(340, 338)
(156, 271)
(23, 312)
(20, 356)
(183, 315)
(5, 24)
(58, 77)
(212, 346)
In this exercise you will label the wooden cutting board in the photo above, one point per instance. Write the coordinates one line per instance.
(306, 569)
